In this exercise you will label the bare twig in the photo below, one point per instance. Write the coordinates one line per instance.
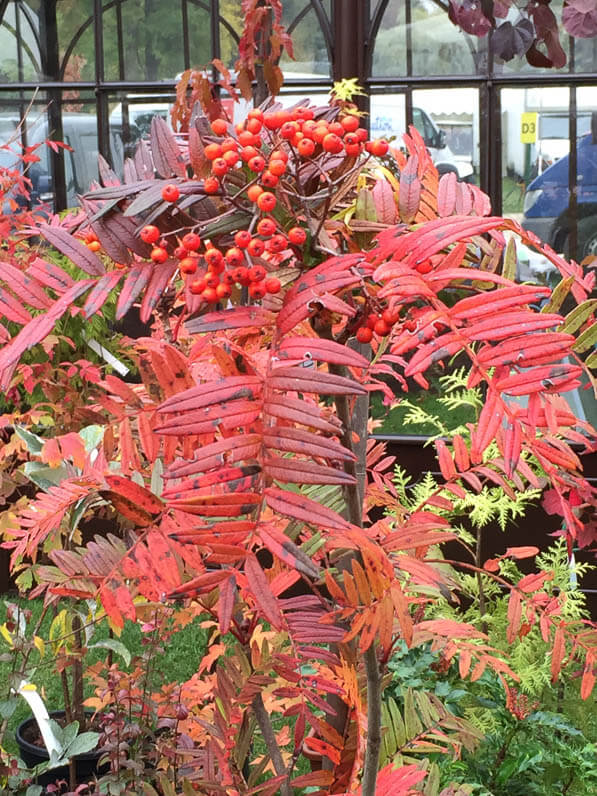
(269, 737)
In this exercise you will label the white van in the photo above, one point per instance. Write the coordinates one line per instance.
(79, 131)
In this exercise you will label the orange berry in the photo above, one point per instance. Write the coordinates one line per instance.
(350, 123)
(254, 192)
(266, 227)
(188, 265)
(297, 235)
(266, 202)
(191, 241)
(242, 238)
(269, 180)
(257, 290)
(209, 295)
(332, 143)
(211, 185)
(94, 245)
(170, 193)
(213, 151)
(256, 247)
(277, 166)
(150, 234)
(219, 126)
(272, 285)
(256, 164)
(223, 291)
(159, 254)
(306, 147)
(230, 157)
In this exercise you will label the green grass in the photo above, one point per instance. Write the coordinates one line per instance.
(176, 662)
(512, 196)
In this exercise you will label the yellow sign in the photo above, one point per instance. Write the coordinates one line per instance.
(528, 128)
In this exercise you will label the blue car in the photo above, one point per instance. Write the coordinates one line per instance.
(547, 198)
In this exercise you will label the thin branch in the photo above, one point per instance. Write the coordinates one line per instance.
(267, 731)
(373, 721)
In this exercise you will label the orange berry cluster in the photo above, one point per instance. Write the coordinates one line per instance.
(225, 269)
(380, 323)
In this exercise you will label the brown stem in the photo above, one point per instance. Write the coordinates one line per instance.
(77, 668)
(482, 601)
(371, 764)
(269, 737)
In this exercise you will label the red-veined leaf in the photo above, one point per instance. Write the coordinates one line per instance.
(12, 309)
(229, 450)
(298, 411)
(25, 286)
(139, 495)
(446, 194)
(409, 194)
(385, 204)
(50, 275)
(446, 463)
(547, 378)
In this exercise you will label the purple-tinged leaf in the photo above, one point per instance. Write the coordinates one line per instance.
(235, 318)
(166, 152)
(25, 286)
(72, 248)
(50, 275)
(509, 40)
(143, 162)
(579, 18)
(12, 309)
(99, 294)
(136, 280)
(107, 176)
(157, 284)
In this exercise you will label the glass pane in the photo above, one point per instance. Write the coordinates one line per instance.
(519, 64)
(448, 120)
(310, 51)
(229, 44)
(387, 117)
(9, 61)
(389, 54)
(143, 40)
(130, 121)
(199, 35)
(439, 47)
(76, 43)
(535, 190)
(585, 55)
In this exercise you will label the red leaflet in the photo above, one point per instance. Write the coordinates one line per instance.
(25, 286)
(410, 190)
(507, 324)
(460, 453)
(134, 283)
(446, 463)
(310, 348)
(308, 380)
(50, 275)
(12, 309)
(437, 349)
(261, 592)
(298, 507)
(295, 410)
(202, 584)
(164, 149)
(295, 440)
(229, 450)
(297, 471)
(286, 550)
(232, 415)
(485, 303)
(464, 199)
(512, 447)
(158, 282)
(98, 295)
(213, 392)
(72, 248)
(446, 194)
(235, 318)
(527, 350)
(489, 421)
(549, 378)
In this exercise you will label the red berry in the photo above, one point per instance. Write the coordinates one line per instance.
(277, 243)
(242, 238)
(159, 254)
(390, 316)
(372, 319)
(353, 150)
(241, 275)
(94, 245)
(246, 138)
(272, 285)
(247, 153)
(211, 185)
(180, 252)
(279, 154)
(219, 167)
(379, 147)
(381, 328)
(219, 126)
(306, 147)
(213, 151)
(234, 256)
(229, 145)
(332, 143)
(269, 180)
(197, 286)
(188, 265)
(149, 234)
(254, 192)
(266, 202)
(336, 128)
(256, 247)
(256, 164)
(191, 241)
(257, 290)
(223, 291)
(350, 123)
(254, 125)
(212, 280)
(255, 113)
(209, 295)
(170, 193)
(227, 278)
(297, 235)
(257, 273)
(289, 129)
(230, 158)
(364, 334)
(425, 267)
(277, 166)
(213, 257)
(266, 227)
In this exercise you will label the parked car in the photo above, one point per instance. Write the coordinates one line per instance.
(79, 131)
(547, 200)
(552, 140)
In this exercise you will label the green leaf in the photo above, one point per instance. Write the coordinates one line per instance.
(510, 258)
(44, 476)
(33, 442)
(558, 295)
(116, 646)
(69, 735)
(576, 317)
(34, 790)
(91, 436)
(8, 706)
(412, 721)
(587, 339)
(82, 743)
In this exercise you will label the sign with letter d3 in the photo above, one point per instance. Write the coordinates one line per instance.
(528, 128)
